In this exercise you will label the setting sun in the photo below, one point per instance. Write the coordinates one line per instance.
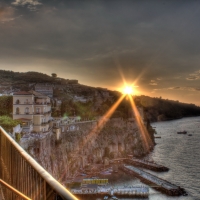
(128, 90)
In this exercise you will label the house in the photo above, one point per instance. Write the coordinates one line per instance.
(33, 109)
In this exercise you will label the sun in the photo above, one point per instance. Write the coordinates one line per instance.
(128, 90)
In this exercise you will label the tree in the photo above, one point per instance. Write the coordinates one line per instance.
(8, 123)
(6, 104)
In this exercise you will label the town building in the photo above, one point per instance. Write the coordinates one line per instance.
(33, 109)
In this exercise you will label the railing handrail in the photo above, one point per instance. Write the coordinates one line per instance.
(14, 190)
(60, 189)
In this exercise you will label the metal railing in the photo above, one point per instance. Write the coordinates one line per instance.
(4, 186)
(19, 170)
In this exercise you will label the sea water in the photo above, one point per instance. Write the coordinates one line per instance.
(179, 152)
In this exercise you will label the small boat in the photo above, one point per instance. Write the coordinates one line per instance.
(182, 132)
(189, 134)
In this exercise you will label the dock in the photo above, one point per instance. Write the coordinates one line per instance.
(147, 165)
(142, 192)
(158, 183)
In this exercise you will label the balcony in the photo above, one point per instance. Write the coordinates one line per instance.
(24, 177)
(42, 124)
(37, 124)
(28, 103)
(45, 123)
(42, 113)
(42, 103)
(27, 113)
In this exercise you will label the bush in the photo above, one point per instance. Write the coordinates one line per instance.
(6, 104)
(17, 137)
(8, 123)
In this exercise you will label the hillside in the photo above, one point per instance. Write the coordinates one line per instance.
(158, 109)
(99, 100)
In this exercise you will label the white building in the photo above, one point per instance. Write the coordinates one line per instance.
(33, 109)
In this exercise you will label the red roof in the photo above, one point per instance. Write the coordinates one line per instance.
(22, 93)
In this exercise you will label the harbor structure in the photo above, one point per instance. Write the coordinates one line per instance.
(146, 164)
(158, 183)
(94, 190)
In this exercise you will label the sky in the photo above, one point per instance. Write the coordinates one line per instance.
(153, 44)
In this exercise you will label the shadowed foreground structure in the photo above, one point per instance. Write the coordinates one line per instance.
(21, 172)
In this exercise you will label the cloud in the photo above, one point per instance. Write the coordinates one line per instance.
(31, 4)
(174, 88)
(177, 77)
(6, 14)
(155, 82)
(152, 82)
(193, 89)
(194, 76)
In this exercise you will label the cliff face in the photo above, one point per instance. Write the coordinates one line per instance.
(76, 149)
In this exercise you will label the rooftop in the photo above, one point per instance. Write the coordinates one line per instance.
(22, 93)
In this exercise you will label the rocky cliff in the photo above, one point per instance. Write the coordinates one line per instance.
(76, 149)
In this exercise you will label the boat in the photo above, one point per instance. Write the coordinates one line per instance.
(182, 132)
(189, 134)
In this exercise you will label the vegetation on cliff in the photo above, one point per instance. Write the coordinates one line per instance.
(84, 110)
(23, 77)
(158, 109)
(8, 123)
(6, 104)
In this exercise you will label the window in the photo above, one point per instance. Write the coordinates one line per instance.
(17, 101)
(17, 110)
(26, 110)
(37, 110)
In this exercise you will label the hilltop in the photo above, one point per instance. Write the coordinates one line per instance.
(71, 97)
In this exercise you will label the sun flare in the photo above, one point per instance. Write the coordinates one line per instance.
(128, 90)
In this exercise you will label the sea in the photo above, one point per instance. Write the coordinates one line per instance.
(179, 152)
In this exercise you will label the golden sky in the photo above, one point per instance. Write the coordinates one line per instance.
(153, 44)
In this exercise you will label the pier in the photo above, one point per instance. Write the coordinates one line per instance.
(158, 183)
(147, 165)
(110, 191)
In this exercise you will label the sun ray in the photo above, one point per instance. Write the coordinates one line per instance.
(144, 133)
(103, 120)
(106, 117)
(97, 128)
